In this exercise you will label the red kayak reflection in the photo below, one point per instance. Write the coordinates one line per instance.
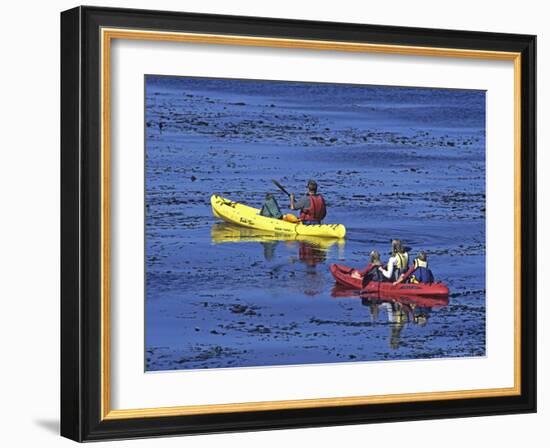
(425, 301)
(400, 310)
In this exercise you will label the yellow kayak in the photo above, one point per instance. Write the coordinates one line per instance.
(246, 216)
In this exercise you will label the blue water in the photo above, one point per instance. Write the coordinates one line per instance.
(391, 162)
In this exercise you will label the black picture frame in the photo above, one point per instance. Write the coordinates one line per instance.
(81, 224)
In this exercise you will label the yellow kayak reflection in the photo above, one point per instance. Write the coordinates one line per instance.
(311, 249)
(228, 233)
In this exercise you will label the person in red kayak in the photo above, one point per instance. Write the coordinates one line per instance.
(371, 271)
(419, 272)
(312, 205)
(398, 262)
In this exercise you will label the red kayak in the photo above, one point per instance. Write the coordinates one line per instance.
(343, 276)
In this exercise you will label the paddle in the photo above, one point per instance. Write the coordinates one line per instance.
(280, 187)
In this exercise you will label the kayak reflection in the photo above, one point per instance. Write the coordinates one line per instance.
(399, 310)
(311, 250)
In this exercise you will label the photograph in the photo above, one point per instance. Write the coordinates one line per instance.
(291, 223)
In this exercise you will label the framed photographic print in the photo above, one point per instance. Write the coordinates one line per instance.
(274, 224)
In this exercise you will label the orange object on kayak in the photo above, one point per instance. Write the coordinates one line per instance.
(349, 277)
(289, 217)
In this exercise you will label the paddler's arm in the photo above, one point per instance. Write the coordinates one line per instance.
(388, 272)
(358, 273)
(404, 276)
(296, 205)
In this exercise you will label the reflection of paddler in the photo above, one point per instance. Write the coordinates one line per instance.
(373, 307)
(311, 254)
(398, 315)
(269, 249)
(395, 336)
(421, 314)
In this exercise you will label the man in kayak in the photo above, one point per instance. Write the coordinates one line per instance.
(419, 271)
(398, 262)
(312, 205)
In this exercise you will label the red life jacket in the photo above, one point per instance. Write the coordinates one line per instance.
(317, 209)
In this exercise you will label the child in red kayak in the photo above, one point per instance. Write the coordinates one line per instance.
(371, 272)
(419, 272)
